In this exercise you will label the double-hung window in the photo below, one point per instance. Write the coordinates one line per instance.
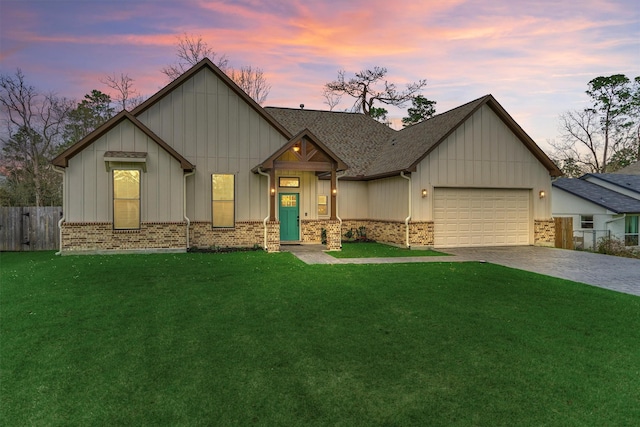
(223, 200)
(126, 199)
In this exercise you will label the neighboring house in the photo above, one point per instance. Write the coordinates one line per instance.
(601, 205)
(201, 164)
(632, 169)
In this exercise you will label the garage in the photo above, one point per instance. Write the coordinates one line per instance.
(465, 217)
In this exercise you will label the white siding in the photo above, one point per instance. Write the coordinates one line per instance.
(213, 128)
(482, 153)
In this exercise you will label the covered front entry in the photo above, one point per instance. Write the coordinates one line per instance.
(466, 217)
(289, 215)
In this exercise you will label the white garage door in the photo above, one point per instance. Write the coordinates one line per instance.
(480, 217)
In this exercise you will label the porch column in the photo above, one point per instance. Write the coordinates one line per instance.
(272, 195)
(333, 194)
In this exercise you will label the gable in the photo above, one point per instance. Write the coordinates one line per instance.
(204, 115)
(62, 160)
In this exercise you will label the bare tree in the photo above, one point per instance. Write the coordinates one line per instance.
(600, 138)
(34, 128)
(331, 98)
(126, 96)
(252, 81)
(191, 50)
(370, 86)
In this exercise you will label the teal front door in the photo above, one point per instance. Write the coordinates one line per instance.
(289, 216)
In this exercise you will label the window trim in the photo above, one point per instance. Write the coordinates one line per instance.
(628, 235)
(320, 215)
(213, 225)
(296, 179)
(113, 198)
(584, 219)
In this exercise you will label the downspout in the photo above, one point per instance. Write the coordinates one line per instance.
(264, 221)
(406, 220)
(61, 172)
(184, 205)
(338, 176)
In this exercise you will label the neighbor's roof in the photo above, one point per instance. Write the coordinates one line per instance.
(632, 169)
(601, 196)
(629, 182)
(374, 150)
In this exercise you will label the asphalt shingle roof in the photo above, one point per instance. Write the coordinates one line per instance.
(369, 147)
(609, 199)
(630, 182)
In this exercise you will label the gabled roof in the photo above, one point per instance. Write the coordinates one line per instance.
(632, 169)
(374, 150)
(62, 160)
(206, 63)
(353, 137)
(601, 196)
(629, 182)
(308, 135)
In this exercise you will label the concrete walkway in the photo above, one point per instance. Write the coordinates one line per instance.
(610, 272)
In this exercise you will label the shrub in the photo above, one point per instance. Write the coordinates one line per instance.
(613, 246)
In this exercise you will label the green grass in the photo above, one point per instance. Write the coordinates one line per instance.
(379, 250)
(258, 339)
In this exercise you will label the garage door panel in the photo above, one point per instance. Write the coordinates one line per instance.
(481, 217)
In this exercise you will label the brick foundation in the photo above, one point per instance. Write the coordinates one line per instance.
(100, 236)
(544, 232)
(245, 234)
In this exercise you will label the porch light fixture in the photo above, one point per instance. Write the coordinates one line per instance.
(542, 194)
(273, 191)
(424, 193)
(334, 191)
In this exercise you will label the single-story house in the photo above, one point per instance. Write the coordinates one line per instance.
(202, 164)
(602, 205)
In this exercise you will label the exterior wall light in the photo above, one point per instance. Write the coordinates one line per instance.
(424, 193)
(334, 191)
(273, 191)
(542, 194)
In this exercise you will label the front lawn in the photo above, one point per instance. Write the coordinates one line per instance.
(379, 250)
(263, 339)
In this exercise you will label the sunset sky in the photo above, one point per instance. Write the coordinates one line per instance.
(535, 57)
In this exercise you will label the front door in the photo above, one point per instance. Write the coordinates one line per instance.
(289, 216)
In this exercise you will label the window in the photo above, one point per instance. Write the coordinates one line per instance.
(289, 182)
(586, 221)
(222, 200)
(126, 199)
(631, 230)
(323, 205)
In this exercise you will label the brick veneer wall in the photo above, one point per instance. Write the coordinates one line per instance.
(100, 236)
(244, 234)
(544, 232)
(420, 233)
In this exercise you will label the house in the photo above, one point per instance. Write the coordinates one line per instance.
(201, 164)
(632, 169)
(602, 205)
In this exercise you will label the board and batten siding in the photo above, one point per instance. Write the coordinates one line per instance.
(88, 180)
(353, 201)
(212, 127)
(482, 153)
(388, 199)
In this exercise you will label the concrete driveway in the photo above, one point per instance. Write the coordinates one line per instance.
(610, 272)
(606, 271)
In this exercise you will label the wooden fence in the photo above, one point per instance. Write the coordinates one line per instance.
(30, 228)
